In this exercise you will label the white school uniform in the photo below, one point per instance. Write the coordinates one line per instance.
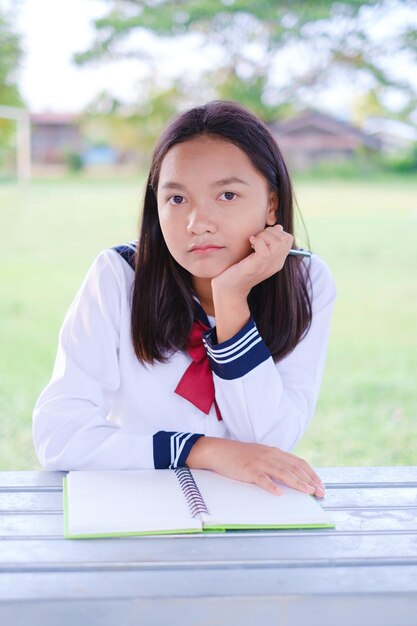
(103, 409)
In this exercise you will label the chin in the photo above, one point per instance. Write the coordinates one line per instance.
(204, 275)
(209, 272)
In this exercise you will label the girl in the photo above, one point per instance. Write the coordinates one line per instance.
(204, 344)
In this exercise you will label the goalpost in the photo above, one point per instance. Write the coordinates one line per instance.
(21, 116)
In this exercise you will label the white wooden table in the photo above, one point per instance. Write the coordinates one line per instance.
(363, 573)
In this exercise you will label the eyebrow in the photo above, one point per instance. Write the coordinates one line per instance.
(173, 185)
(229, 181)
(218, 183)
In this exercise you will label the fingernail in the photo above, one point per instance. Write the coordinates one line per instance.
(320, 493)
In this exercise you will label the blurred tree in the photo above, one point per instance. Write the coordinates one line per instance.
(10, 56)
(130, 129)
(231, 86)
(367, 105)
(334, 38)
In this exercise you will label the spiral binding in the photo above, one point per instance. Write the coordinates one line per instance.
(191, 492)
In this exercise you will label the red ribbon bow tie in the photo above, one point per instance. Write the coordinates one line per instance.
(196, 384)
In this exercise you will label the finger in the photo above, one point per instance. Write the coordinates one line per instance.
(271, 235)
(274, 238)
(278, 237)
(302, 469)
(264, 481)
(308, 474)
(297, 465)
(290, 479)
(276, 230)
(265, 244)
(259, 246)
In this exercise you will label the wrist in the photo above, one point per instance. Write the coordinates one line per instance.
(202, 453)
(231, 316)
(232, 293)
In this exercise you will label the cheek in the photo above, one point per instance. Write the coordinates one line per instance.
(167, 225)
(239, 245)
(171, 233)
(164, 226)
(246, 227)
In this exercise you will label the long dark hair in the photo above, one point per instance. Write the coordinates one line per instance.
(163, 307)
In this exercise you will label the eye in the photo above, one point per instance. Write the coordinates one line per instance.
(228, 195)
(176, 200)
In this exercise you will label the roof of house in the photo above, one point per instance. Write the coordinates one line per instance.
(54, 118)
(324, 123)
(395, 128)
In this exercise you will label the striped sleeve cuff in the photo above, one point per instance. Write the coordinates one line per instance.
(238, 355)
(171, 449)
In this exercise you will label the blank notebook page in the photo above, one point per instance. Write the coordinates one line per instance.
(235, 503)
(127, 501)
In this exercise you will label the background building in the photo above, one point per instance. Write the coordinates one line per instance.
(312, 138)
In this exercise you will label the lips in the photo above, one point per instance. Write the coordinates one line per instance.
(205, 247)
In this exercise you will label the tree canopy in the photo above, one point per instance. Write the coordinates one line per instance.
(10, 56)
(360, 41)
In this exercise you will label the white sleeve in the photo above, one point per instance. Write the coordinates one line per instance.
(266, 402)
(70, 426)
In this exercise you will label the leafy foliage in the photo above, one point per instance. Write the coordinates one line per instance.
(336, 39)
(130, 129)
(10, 57)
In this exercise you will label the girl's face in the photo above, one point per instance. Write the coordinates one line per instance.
(211, 199)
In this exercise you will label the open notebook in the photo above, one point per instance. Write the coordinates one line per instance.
(141, 502)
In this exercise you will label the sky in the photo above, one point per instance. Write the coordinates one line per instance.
(53, 30)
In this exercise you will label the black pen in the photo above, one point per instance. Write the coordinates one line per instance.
(306, 253)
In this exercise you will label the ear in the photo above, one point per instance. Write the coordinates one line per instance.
(271, 215)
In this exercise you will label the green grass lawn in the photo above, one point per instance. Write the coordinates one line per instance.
(366, 232)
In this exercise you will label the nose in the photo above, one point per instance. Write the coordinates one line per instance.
(200, 221)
